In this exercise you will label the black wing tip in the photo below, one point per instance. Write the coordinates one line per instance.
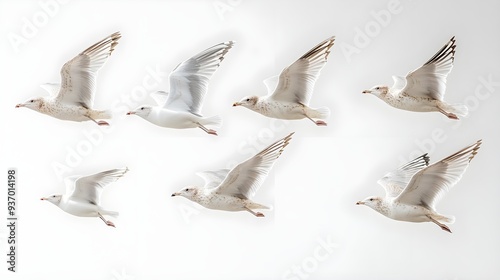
(322, 48)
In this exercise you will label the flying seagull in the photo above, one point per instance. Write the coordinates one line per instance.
(73, 99)
(422, 90)
(289, 100)
(231, 190)
(83, 194)
(413, 190)
(181, 106)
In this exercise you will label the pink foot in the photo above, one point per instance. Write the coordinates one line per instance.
(211, 131)
(452, 116)
(320, 123)
(445, 228)
(258, 214)
(110, 223)
(102, 123)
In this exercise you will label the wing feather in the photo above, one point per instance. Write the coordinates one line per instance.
(90, 187)
(395, 181)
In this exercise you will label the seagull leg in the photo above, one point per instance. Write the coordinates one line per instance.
(108, 223)
(318, 122)
(209, 131)
(442, 226)
(256, 214)
(449, 115)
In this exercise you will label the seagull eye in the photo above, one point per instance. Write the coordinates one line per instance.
(377, 88)
(248, 99)
(32, 100)
(142, 108)
(187, 190)
(371, 199)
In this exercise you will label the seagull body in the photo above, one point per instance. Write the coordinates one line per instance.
(413, 190)
(73, 99)
(289, 99)
(230, 190)
(181, 106)
(83, 194)
(423, 89)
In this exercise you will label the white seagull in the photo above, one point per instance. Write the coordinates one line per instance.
(231, 190)
(83, 194)
(289, 100)
(413, 190)
(422, 90)
(73, 100)
(181, 106)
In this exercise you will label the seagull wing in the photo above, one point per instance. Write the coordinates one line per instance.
(395, 181)
(296, 82)
(429, 184)
(89, 188)
(430, 79)
(189, 80)
(79, 75)
(52, 88)
(213, 178)
(244, 179)
(160, 97)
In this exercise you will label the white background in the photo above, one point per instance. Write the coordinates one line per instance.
(314, 185)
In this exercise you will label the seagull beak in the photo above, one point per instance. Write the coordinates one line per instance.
(130, 113)
(174, 194)
(360, 203)
(236, 104)
(20, 105)
(367, 91)
(43, 198)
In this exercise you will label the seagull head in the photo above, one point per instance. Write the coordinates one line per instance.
(377, 90)
(372, 202)
(33, 103)
(142, 111)
(189, 193)
(54, 199)
(248, 101)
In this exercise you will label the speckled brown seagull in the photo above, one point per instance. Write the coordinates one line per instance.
(422, 90)
(231, 190)
(413, 190)
(289, 100)
(73, 100)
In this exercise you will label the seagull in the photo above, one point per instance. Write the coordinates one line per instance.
(230, 190)
(83, 194)
(422, 90)
(73, 100)
(413, 190)
(181, 106)
(289, 100)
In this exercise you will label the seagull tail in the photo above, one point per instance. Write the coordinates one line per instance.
(444, 219)
(99, 115)
(457, 109)
(215, 121)
(110, 213)
(319, 113)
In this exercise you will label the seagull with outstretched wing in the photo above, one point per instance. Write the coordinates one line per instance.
(289, 99)
(423, 89)
(181, 106)
(83, 194)
(413, 190)
(73, 99)
(231, 190)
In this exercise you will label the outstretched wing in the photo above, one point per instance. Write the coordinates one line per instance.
(430, 79)
(296, 82)
(429, 184)
(89, 188)
(244, 179)
(395, 181)
(189, 80)
(79, 75)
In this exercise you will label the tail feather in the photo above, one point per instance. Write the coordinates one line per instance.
(98, 115)
(457, 109)
(215, 121)
(110, 213)
(444, 219)
(320, 113)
